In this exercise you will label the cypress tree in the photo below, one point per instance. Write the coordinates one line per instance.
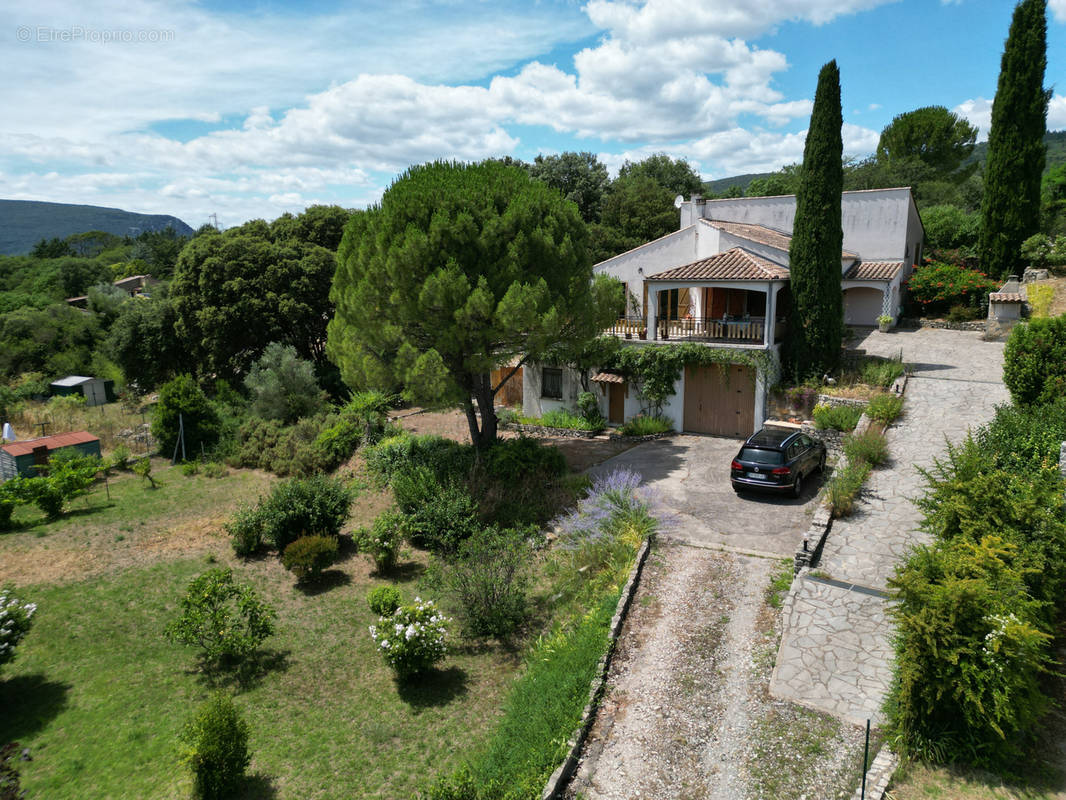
(1010, 208)
(817, 238)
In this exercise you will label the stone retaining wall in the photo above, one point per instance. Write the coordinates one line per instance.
(833, 400)
(878, 775)
(651, 437)
(914, 322)
(544, 431)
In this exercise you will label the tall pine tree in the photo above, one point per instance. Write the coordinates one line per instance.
(817, 238)
(1010, 209)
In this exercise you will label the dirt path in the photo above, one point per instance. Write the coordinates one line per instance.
(687, 713)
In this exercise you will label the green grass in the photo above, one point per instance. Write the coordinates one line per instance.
(885, 408)
(869, 447)
(646, 426)
(878, 372)
(844, 486)
(780, 583)
(99, 696)
(841, 418)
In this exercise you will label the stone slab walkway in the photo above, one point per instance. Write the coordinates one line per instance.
(835, 650)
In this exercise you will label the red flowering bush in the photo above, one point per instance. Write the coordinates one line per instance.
(937, 286)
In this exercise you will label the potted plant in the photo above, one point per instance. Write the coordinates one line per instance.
(884, 322)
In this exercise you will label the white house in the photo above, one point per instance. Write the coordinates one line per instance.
(722, 279)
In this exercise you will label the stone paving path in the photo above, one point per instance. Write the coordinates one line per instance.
(835, 653)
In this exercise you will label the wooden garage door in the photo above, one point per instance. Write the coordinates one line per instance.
(719, 399)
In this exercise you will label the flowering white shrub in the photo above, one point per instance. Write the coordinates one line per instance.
(15, 616)
(413, 639)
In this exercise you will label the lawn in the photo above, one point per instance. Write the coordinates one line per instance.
(98, 695)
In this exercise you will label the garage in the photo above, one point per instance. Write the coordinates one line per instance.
(719, 399)
(862, 305)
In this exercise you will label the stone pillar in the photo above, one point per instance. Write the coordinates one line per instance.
(651, 311)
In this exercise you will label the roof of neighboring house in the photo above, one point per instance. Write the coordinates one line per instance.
(760, 234)
(53, 442)
(873, 271)
(736, 264)
(72, 380)
(1006, 297)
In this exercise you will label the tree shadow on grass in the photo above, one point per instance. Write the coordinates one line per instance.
(329, 579)
(437, 687)
(244, 675)
(258, 787)
(403, 573)
(29, 703)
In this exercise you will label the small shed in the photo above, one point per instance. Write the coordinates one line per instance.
(22, 458)
(96, 391)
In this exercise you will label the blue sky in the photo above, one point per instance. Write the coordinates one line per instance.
(246, 109)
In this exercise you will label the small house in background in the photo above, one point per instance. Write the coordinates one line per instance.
(134, 286)
(96, 391)
(23, 458)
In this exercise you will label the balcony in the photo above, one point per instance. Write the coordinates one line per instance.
(726, 330)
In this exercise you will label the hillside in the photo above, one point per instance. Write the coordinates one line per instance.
(23, 223)
(1056, 154)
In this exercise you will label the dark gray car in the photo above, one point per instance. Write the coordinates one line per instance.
(777, 459)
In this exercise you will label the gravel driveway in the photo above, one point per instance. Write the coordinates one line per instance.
(691, 475)
(687, 713)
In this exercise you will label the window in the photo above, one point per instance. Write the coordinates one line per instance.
(551, 383)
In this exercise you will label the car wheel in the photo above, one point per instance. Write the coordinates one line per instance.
(797, 487)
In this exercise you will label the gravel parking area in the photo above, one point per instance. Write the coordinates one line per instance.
(687, 713)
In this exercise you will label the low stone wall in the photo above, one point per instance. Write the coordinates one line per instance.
(564, 772)
(545, 432)
(651, 437)
(915, 322)
(878, 775)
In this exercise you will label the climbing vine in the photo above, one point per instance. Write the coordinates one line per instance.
(655, 368)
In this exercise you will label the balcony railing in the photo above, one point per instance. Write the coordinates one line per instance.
(748, 330)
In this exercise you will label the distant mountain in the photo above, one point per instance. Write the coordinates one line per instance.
(23, 223)
(1056, 154)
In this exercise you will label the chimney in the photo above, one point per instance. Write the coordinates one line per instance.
(699, 205)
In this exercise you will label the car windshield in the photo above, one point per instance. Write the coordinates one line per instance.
(755, 455)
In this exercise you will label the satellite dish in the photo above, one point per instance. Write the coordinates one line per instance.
(679, 200)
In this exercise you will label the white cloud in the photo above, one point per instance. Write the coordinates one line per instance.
(1056, 113)
(979, 112)
(1058, 8)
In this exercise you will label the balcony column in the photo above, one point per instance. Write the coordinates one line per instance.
(651, 312)
(770, 316)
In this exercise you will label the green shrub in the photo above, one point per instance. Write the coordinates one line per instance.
(1040, 296)
(511, 460)
(879, 372)
(225, 618)
(384, 600)
(284, 449)
(338, 442)
(190, 468)
(937, 286)
(448, 517)
(590, 410)
(561, 418)
(1024, 438)
(48, 498)
(969, 655)
(413, 638)
(215, 469)
(844, 486)
(304, 506)
(641, 425)
(445, 459)
(383, 541)
(7, 508)
(1034, 361)
(216, 747)
(885, 408)
(10, 781)
(119, 458)
(309, 555)
(245, 529)
(837, 417)
(961, 313)
(182, 398)
(488, 580)
(869, 447)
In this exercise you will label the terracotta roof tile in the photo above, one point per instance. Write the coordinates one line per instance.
(873, 271)
(732, 265)
(26, 446)
(607, 377)
(760, 234)
(1006, 297)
